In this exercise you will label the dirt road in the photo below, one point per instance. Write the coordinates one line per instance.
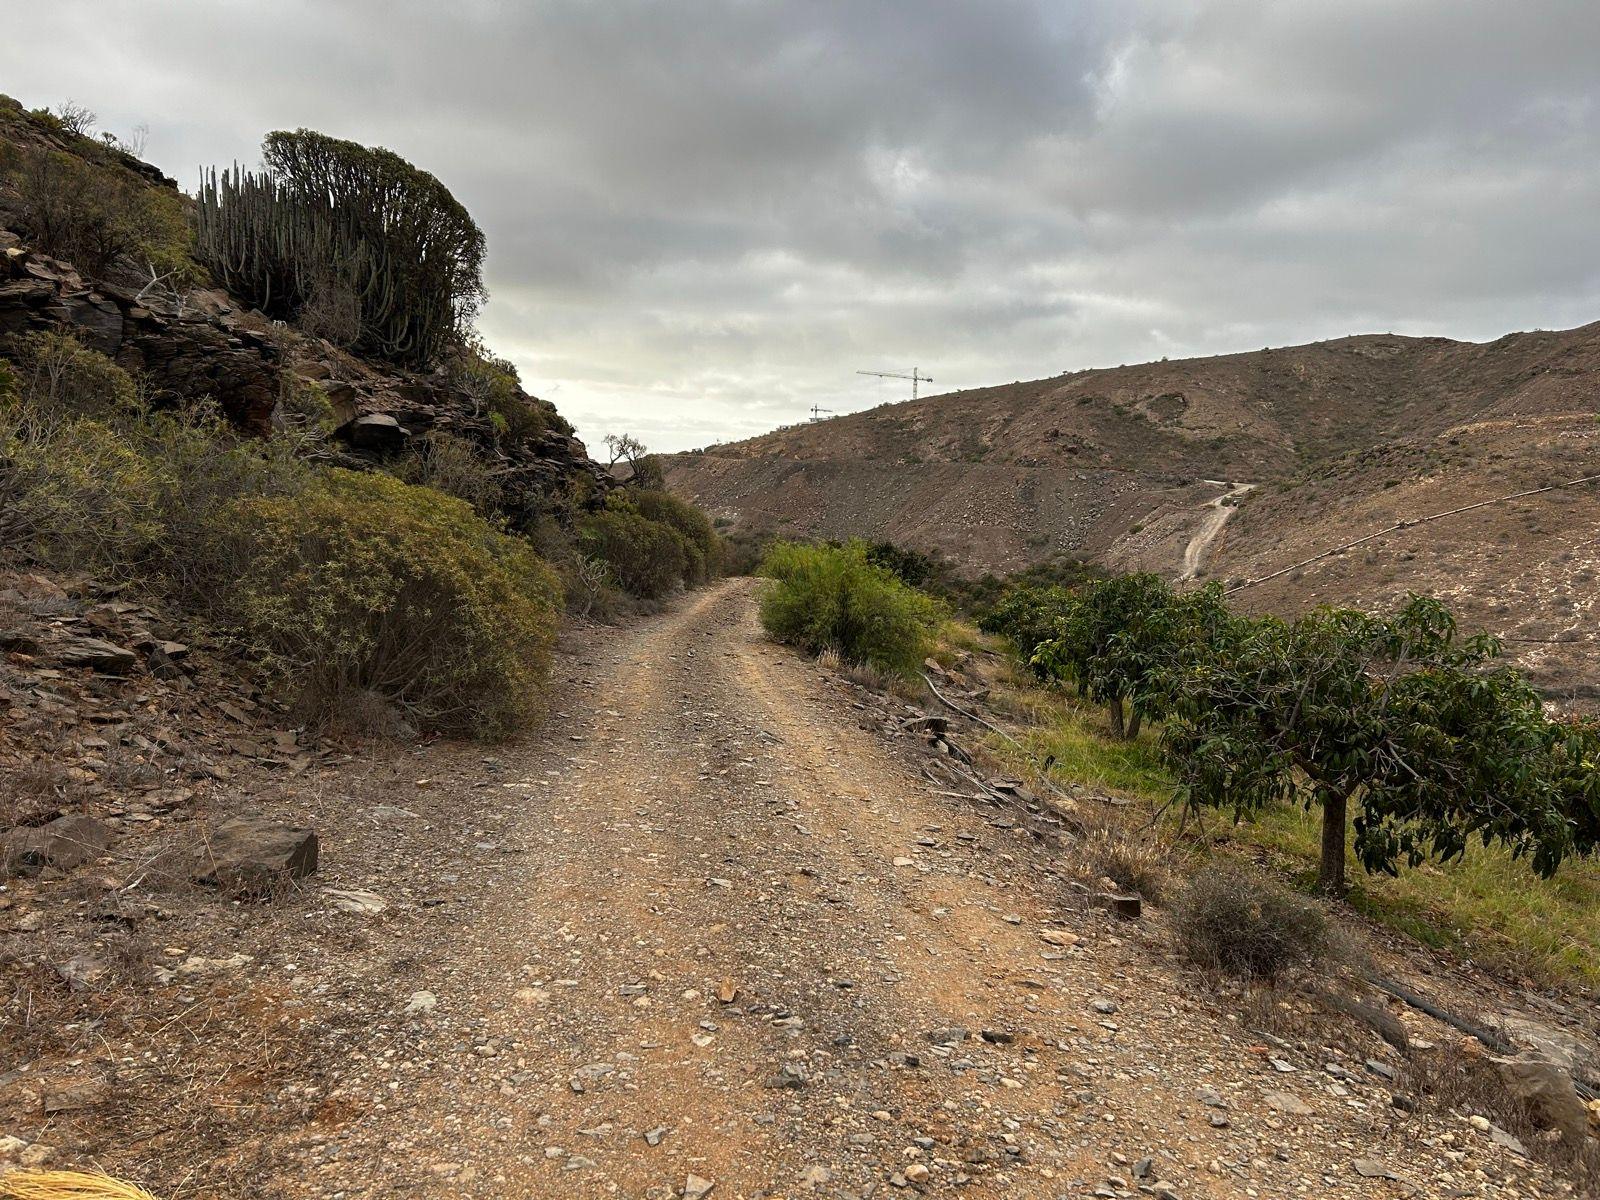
(708, 930)
(1211, 526)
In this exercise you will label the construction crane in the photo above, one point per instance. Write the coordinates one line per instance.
(916, 377)
(816, 413)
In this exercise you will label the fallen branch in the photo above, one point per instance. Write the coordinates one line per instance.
(1587, 1088)
(954, 707)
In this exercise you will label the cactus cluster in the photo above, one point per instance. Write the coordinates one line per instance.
(328, 218)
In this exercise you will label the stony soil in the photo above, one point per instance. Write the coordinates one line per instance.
(709, 929)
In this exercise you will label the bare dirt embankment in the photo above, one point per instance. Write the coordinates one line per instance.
(710, 926)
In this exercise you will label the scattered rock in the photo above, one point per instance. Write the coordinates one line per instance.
(420, 1002)
(97, 655)
(64, 843)
(1371, 1168)
(70, 1095)
(355, 900)
(81, 972)
(1547, 1088)
(253, 854)
(695, 1187)
(1286, 1102)
(376, 431)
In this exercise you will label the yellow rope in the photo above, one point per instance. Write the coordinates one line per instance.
(67, 1185)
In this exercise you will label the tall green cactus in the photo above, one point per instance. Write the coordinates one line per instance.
(328, 212)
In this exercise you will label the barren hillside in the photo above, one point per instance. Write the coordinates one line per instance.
(1343, 438)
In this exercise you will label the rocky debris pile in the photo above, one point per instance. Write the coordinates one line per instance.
(109, 724)
(192, 345)
(381, 411)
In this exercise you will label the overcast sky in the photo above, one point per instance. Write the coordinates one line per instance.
(705, 216)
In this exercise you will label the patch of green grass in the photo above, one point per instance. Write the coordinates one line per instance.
(1073, 735)
(1487, 905)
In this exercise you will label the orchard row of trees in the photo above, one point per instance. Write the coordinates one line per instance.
(1426, 734)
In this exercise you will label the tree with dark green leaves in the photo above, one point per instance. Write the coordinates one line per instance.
(354, 235)
(1027, 617)
(1122, 640)
(1431, 739)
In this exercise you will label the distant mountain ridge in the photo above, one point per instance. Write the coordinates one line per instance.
(1120, 466)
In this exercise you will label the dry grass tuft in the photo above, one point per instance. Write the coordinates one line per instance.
(1138, 862)
(68, 1185)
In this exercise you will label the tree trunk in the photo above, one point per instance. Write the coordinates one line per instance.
(1330, 877)
(1135, 720)
(1117, 724)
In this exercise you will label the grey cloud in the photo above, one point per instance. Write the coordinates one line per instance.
(705, 215)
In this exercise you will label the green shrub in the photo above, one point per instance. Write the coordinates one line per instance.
(830, 597)
(140, 499)
(77, 495)
(93, 215)
(647, 559)
(491, 384)
(702, 546)
(362, 584)
(56, 377)
(1246, 925)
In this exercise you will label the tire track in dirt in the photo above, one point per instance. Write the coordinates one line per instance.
(709, 815)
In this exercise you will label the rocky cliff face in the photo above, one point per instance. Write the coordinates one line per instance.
(185, 349)
(200, 344)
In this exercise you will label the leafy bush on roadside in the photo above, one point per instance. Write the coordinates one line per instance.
(646, 558)
(703, 548)
(364, 584)
(1246, 925)
(831, 597)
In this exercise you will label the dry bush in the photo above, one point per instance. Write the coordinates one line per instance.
(366, 714)
(452, 465)
(33, 790)
(1248, 926)
(1140, 863)
(590, 592)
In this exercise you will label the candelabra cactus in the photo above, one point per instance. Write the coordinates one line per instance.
(330, 217)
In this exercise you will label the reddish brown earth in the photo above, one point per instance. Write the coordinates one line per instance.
(717, 924)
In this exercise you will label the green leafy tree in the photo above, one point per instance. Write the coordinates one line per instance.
(1028, 617)
(1122, 640)
(1431, 739)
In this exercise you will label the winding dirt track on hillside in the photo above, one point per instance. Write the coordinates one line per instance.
(710, 816)
(1211, 527)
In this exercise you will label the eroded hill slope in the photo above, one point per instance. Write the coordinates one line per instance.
(1342, 438)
